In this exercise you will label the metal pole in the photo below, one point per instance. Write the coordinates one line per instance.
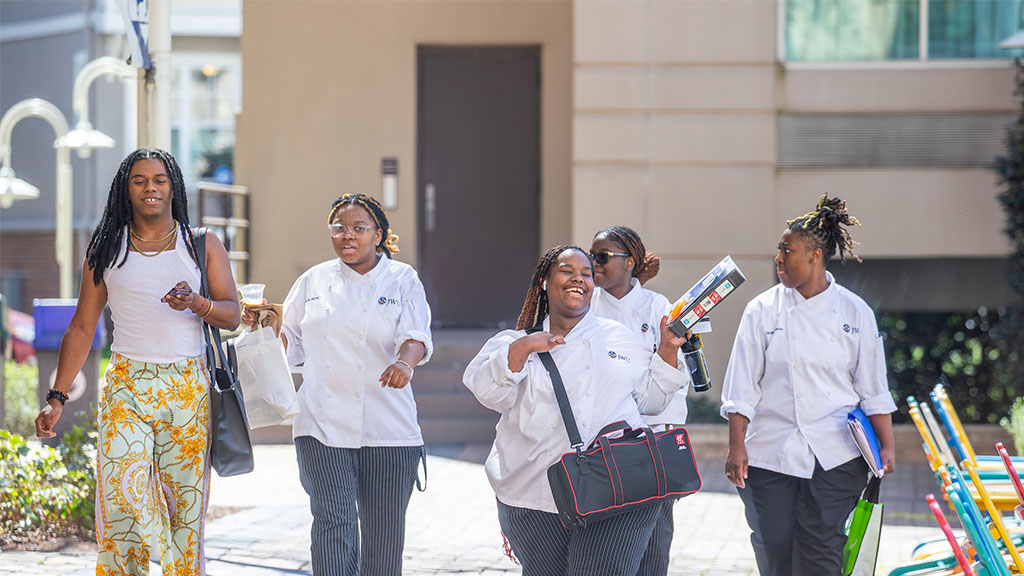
(155, 85)
(39, 108)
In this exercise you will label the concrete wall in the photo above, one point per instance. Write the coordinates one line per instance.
(330, 88)
(676, 103)
(675, 106)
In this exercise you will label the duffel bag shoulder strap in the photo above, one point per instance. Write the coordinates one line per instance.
(563, 399)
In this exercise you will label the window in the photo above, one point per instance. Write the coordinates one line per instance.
(881, 30)
(206, 96)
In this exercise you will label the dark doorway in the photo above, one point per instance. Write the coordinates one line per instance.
(478, 181)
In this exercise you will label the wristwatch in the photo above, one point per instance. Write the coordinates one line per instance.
(54, 393)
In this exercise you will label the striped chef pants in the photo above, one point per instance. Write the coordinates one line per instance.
(358, 497)
(609, 547)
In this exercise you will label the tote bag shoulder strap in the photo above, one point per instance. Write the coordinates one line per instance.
(211, 334)
(563, 398)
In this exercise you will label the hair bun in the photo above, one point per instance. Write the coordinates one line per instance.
(649, 269)
(391, 242)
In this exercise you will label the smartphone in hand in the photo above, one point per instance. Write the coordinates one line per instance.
(180, 289)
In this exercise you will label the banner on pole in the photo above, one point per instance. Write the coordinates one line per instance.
(136, 23)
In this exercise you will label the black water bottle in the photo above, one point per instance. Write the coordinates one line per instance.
(693, 355)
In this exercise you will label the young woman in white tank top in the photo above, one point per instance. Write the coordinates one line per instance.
(153, 467)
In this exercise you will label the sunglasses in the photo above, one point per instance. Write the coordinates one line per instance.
(602, 257)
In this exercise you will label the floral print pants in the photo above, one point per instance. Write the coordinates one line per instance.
(153, 466)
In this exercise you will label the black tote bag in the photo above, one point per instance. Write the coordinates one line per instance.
(230, 445)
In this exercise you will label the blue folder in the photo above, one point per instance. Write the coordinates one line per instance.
(864, 435)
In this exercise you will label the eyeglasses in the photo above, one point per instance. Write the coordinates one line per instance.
(339, 230)
(602, 257)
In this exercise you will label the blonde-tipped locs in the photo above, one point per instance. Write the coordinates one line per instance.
(535, 307)
(826, 226)
(388, 240)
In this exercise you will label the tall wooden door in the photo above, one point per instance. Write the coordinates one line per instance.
(478, 181)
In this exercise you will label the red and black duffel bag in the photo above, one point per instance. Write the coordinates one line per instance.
(615, 475)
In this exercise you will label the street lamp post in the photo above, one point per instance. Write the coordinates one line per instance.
(39, 108)
(84, 138)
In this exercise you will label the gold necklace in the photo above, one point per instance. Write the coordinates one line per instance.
(165, 237)
(151, 254)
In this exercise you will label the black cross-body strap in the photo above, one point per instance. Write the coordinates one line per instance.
(563, 399)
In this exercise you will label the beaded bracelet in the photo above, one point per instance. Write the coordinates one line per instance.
(407, 365)
(60, 396)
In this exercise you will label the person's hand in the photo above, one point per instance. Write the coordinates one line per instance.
(888, 459)
(249, 317)
(543, 341)
(736, 464)
(396, 375)
(668, 348)
(180, 297)
(47, 419)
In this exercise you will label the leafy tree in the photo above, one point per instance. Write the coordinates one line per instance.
(1009, 171)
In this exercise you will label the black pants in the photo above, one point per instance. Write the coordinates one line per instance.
(609, 547)
(801, 520)
(756, 542)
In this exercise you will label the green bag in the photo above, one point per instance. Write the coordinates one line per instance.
(863, 533)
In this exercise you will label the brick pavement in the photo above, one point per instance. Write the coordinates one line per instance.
(452, 528)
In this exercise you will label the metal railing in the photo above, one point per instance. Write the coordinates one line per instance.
(224, 208)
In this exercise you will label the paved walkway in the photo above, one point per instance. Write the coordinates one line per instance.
(453, 528)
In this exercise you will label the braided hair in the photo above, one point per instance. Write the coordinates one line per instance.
(647, 263)
(825, 228)
(388, 240)
(105, 244)
(535, 307)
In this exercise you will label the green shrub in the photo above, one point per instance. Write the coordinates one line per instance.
(21, 403)
(922, 346)
(48, 488)
(1014, 424)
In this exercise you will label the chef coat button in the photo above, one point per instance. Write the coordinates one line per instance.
(554, 427)
(360, 366)
(588, 394)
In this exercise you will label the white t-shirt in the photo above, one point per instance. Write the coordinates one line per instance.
(608, 375)
(641, 311)
(146, 329)
(798, 367)
(345, 328)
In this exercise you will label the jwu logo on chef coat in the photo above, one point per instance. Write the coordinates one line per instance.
(850, 329)
(383, 301)
(645, 328)
(616, 356)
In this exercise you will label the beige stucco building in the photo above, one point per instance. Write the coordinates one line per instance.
(692, 121)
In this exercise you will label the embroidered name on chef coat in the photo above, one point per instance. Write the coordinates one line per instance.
(384, 301)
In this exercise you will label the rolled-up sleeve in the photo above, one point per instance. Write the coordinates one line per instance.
(291, 321)
(869, 376)
(741, 387)
(414, 321)
(661, 384)
(488, 376)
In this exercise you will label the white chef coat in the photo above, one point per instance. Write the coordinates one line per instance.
(641, 310)
(345, 328)
(798, 367)
(609, 375)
